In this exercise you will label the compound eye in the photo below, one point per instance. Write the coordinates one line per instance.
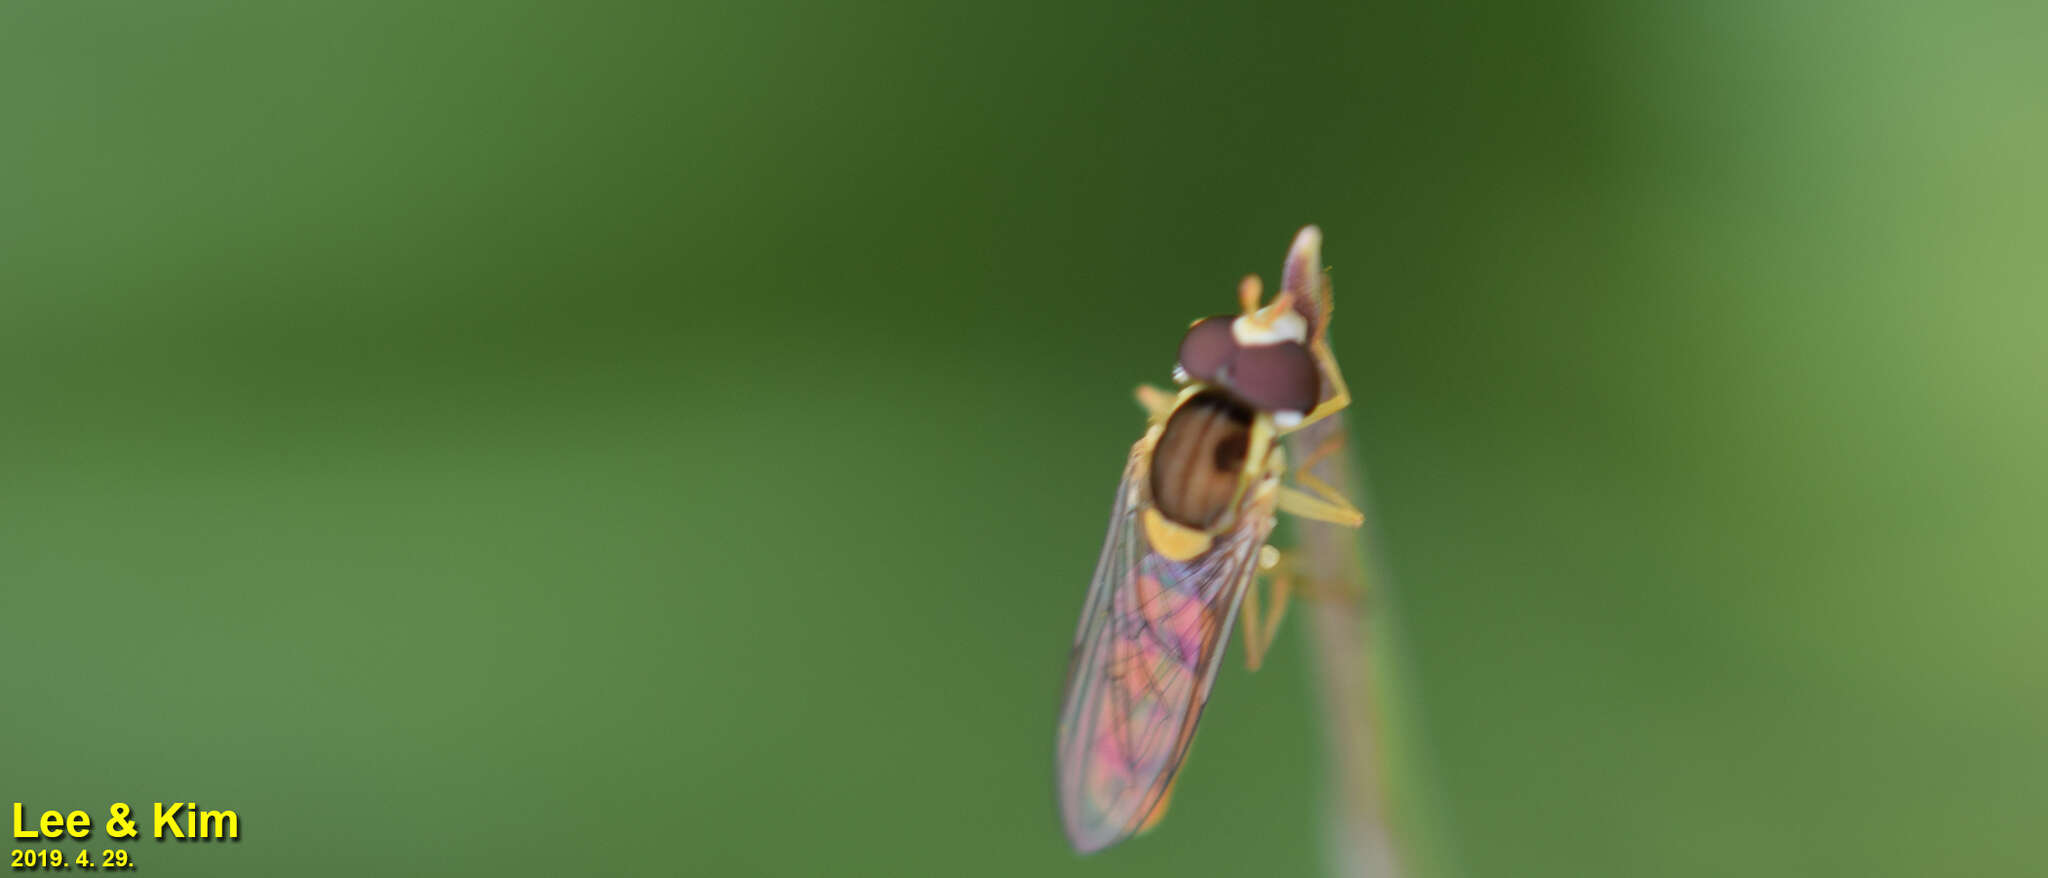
(1277, 378)
(1208, 347)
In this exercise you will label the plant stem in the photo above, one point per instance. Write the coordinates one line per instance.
(1359, 839)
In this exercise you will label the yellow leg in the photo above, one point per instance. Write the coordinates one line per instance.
(1157, 403)
(1340, 398)
(1306, 475)
(1254, 648)
(1297, 502)
(1321, 502)
(1260, 627)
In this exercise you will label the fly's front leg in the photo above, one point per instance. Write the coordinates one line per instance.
(1340, 393)
(1157, 403)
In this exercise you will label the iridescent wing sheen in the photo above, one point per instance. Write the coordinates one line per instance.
(1150, 640)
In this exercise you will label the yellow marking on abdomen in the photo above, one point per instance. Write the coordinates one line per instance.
(1172, 539)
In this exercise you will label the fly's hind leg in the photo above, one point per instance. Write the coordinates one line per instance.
(1284, 583)
(1260, 626)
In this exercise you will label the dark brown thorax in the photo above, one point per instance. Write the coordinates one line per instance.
(1198, 463)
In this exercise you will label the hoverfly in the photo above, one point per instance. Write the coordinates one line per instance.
(1187, 535)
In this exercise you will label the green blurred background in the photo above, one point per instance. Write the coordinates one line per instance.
(674, 438)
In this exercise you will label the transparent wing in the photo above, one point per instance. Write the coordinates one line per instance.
(1146, 652)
